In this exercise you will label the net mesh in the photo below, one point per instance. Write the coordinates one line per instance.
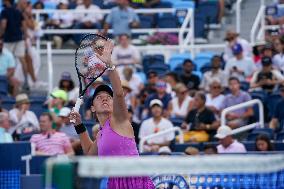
(10, 179)
(186, 172)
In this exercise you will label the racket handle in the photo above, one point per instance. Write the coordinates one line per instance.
(76, 108)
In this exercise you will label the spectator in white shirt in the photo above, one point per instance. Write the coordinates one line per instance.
(278, 59)
(125, 53)
(87, 20)
(215, 98)
(233, 38)
(216, 73)
(23, 120)
(227, 143)
(240, 66)
(154, 125)
(180, 105)
(134, 81)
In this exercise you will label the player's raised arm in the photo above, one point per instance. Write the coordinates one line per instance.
(119, 107)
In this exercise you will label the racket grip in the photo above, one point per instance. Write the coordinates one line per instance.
(76, 108)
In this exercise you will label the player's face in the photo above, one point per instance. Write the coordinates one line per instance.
(103, 103)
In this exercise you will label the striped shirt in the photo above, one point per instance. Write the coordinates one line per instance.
(51, 144)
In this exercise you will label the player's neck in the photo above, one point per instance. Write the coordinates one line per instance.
(103, 118)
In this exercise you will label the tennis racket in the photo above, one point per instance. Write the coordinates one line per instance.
(88, 65)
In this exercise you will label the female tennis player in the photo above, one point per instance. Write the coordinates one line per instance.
(116, 136)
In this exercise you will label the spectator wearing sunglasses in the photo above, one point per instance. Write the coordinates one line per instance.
(215, 98)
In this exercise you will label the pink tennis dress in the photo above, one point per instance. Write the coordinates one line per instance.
(111, 143)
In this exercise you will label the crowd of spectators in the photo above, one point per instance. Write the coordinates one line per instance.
(154, 105)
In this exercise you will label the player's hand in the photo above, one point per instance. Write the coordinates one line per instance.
(75, 116)
(105, 57)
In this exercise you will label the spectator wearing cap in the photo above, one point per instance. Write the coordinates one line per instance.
(155, 124)
(200, 123)
(61, 21)
(276, 122)
(49, 141)
(55, 104)
(232, 38)
(267, 79)
(180, 105)
(215, 98)
(239, 66)
(66, 83)
(87, 20)
(227, 143)
(5, 136)
(161, 94)
(236, 96)
(68, 128)
(22, 119)
(216, 73)
(278, 59)
(190, 80)
(7, 67)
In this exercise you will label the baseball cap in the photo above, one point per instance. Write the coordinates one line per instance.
(156, 102)
(59, 94)
(223, 132)
(237, 49)
(64, 112)
(103, 87)
(66, 76)
(266, 61)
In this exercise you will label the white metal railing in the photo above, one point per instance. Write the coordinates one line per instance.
(257, 25)
(240, 106)
(161, 133)
(238, 15)
(50, 67)
(183, 39)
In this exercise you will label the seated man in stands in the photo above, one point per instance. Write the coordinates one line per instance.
(276, 122)
(227, 143)
(162, 95)
(154, 125)
(191, 80)
(239, 66)
(236, 96)
(49, 141)
(4, 126)
(121, 18)
(200, 121)
(267, 79)
(23, 120)
(216, 73)
(7, 68)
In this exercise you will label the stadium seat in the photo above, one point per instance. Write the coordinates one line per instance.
(167, 21)
(161, 69)
(209, 10)
(177, 59)
(146, 21)
(202, 59)
(182, 147)
(181, 9)
(50, 5)
(245, 85)
(199, 27)
(152, 59)
(267, 131)
(3, 86)
(261, 95)
(205, 68)
(250, 145)
(38, 110)
(176, 121)
(8, 103)
(279, 145)
(280, 136)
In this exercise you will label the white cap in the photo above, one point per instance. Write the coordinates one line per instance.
(223, 131)
(64, 112)
(164, 150)
(156, 102)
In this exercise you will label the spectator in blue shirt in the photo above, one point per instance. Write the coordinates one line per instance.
(121, 18)
(7, 67)
(160, 94)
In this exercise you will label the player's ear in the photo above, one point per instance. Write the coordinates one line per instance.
(93, 110)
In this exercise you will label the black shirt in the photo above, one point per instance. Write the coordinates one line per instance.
(263, 76)
(192, 81)
(194, 118)
(14, 17)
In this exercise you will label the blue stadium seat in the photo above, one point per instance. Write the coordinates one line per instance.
(250, 145)
(8, 103)
(202, 59)
(279, 145)
(152, 59)
(267, 131)
(167, 21)
(142, 76)
(161, 69)
(199, 27)
(261, 95)
(38, 110)
(280, 136)
(181, 9)
(177, 59)
(3, 86)
(146, 21)
(245, 85)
